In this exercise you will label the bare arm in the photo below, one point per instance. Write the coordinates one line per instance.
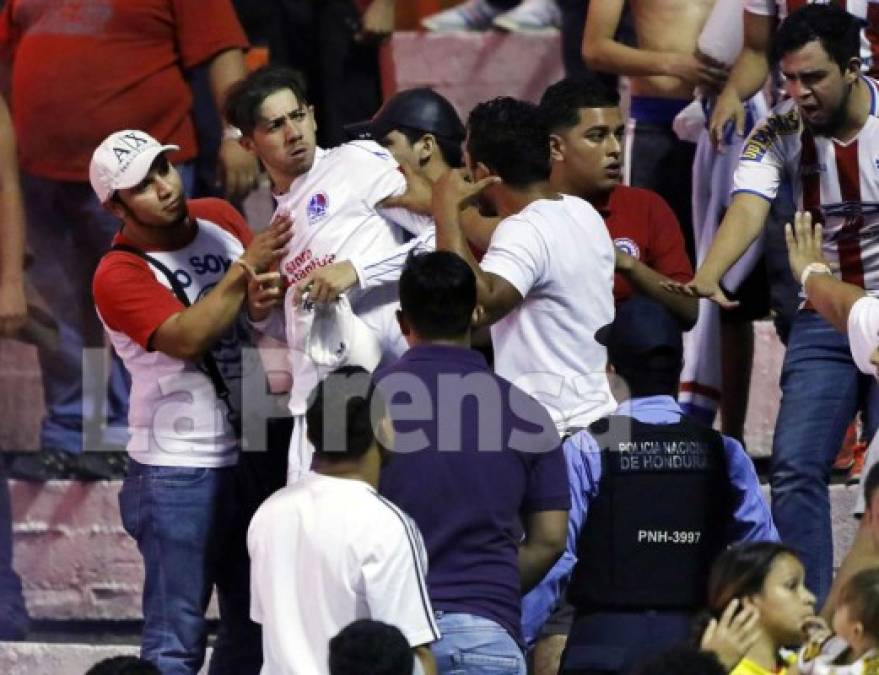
(601, 52)
(13, 307)
(451, 192)
(193, 331)
(741, 226)
(478, 228)
(545, 536)
(649, 282)
(238, 167)
(428, 663)
(831, 298)
(747, 76)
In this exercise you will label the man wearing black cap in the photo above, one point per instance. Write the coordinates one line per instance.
(420, 128)
(655, 497)
(423, 132)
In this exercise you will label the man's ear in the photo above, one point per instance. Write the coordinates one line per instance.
(556, 148)
(477, 316)
(246, 142)
(405, 329)
(428, 147)
(853, 71)
(117, 208)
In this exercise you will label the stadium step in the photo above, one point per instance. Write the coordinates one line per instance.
(61, 658)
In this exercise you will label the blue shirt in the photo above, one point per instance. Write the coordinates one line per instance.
(472, 453)
(751, 519)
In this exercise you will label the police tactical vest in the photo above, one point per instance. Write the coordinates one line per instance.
(659, 520)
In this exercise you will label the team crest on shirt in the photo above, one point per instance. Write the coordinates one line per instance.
(318, 206)
(629, 246)
(768, 133)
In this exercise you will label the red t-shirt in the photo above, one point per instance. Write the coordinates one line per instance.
(127, 293)
(82, 69)
(643, 225)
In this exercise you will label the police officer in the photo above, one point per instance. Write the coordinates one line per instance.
(656, 497)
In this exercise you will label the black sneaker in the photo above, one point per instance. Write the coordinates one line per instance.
(42, 466)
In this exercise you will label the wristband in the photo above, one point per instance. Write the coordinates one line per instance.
(815, 267)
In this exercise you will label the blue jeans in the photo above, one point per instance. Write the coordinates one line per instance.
(191, 533)
(822, 390)
(68, 231)
(472, 645)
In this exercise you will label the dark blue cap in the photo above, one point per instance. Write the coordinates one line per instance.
(422, 109)
(642, 328)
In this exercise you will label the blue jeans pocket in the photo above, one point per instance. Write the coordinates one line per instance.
(471, 662)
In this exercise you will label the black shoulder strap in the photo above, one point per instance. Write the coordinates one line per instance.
(210, 363)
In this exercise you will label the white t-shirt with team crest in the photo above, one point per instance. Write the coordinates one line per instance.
(336, 218)
(175, 417)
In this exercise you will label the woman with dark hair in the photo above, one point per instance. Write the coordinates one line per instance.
(766, 578)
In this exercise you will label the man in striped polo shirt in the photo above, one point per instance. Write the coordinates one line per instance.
(824, 139)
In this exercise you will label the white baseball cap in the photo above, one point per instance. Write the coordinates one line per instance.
(123, 160)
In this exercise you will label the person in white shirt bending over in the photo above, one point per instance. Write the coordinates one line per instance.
(339, 202)
(546, 280)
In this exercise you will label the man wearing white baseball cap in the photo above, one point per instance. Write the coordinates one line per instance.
(170, 294)
(850, 309)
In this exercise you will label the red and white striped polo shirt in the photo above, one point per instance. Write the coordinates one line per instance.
(838, 182)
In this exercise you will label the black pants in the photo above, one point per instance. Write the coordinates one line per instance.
(342, 77)
(607, 643)
(663, 163)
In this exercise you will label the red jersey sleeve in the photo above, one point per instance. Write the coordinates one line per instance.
(130, 298)
(223, 214)
(667, 253)
(206, 28)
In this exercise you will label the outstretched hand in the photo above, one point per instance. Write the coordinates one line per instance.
(803, 243)
(700, 288)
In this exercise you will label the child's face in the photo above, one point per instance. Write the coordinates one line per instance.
(850, 629)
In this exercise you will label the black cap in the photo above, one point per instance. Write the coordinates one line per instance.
(422, 109)
(643, 332)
